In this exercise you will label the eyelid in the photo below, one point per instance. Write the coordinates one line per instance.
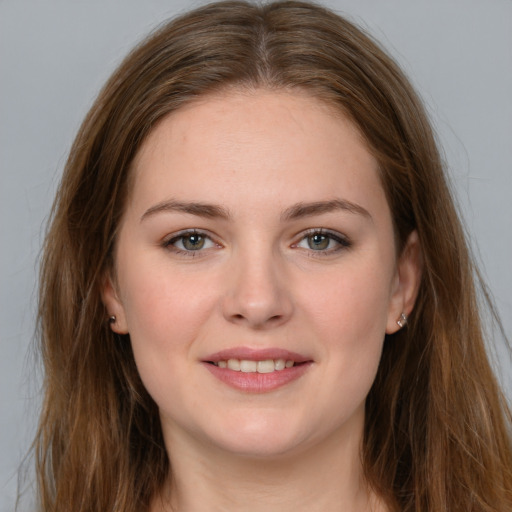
(341, 239)
(168, 241)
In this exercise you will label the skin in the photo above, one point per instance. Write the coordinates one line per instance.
(260, 282)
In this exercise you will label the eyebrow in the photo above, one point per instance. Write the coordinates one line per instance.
(192, 208)
(301, 210)
(294, 212)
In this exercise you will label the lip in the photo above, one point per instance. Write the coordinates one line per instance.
(252, 354)
(257, 382)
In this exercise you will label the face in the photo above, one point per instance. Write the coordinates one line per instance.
(256, 273)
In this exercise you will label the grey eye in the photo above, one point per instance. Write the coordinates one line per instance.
(318, 242)
(193, 242)
(190, 242)
(323, 241)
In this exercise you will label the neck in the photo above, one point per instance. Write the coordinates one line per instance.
(319, 478)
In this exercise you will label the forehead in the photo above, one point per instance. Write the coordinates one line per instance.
(250, 145)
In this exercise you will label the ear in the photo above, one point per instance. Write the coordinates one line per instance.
(406, 282)
(110, 297)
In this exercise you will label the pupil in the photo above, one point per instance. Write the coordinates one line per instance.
(193, 242)
(318, 242)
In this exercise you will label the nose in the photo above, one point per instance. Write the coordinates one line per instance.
(258, 292)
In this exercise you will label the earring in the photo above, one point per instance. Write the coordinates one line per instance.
(402, 321)
(112, 319)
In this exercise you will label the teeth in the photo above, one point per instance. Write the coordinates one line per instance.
(267, 366)
(280, 364)
(234, 364)
(247, 366)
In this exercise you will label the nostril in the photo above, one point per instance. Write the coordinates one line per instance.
(256, 309)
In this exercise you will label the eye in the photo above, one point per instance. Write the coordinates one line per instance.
(189, 241)
(323, 241)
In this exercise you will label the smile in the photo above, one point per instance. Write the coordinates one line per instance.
(257, 371)
(249, 366)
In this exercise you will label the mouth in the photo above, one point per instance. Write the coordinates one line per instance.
(257, 371)
(252, 366)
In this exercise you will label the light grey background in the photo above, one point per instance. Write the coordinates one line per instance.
(56, 54)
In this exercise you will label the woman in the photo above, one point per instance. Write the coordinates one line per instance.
(255, 291)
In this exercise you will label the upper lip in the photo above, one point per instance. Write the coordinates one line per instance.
(260, 354)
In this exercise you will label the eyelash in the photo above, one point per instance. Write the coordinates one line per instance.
(169, 243)
(341, 240)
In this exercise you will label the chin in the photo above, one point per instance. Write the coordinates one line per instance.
(258, 436)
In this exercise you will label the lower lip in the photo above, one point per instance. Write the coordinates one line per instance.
(258, 382)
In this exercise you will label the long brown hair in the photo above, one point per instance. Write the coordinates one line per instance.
(437, 432)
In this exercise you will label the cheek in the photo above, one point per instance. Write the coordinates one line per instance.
(165, 314)
(353, 306)
(165, 317)
(350, 317)
(164, 303)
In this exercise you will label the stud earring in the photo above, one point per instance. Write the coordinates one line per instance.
(402, 321)
(112, 319)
